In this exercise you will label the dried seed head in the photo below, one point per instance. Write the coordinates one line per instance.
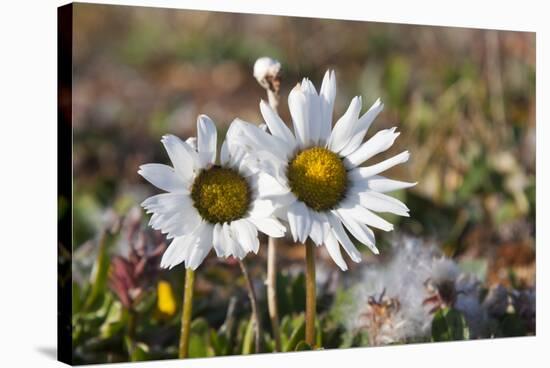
(267, 72)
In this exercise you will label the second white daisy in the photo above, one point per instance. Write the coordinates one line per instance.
(318, 183)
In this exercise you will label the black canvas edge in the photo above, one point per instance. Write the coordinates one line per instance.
(64, 182)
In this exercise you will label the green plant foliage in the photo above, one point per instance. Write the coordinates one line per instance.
(297, 334)
(248, 339)
(449, 325)
(100, 270)
(303, 346)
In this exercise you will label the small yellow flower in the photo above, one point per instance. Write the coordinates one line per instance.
(166, 303)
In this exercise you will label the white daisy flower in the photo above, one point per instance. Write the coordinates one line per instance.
(208, 205)
(318, 181)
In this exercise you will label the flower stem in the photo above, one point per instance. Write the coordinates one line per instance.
(254, 307)
(310, 293)
(186, 313)
(271, 284)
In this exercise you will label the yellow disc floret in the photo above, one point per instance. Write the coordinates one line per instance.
(318, 178)
(220, 195)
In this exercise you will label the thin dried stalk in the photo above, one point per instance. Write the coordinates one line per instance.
(254, 307)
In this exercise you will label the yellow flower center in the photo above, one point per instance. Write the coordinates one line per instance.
(220, 195)
(318, 178)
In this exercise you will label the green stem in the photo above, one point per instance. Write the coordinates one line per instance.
(186, 313)
(310, 293)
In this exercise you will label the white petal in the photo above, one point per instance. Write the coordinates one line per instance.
(283, 201)
(201, 248)
(382, 203)
(299, 221)
(179, 224)
(192, 142)
(267, 162)
(380, 142)
(178, 250)
(368, 171)
(224, 154)
(317, 233)
(261, 208)
(360, 231)
(236, 156)
(333, 249)
(163, 177)
(184, 158)
(207, 137)
(342, 237)
(361, 128)
(234, 247)
(250, 138)
(181, 248)
(246, 234)
(166, 202)
(173, 213)
(298, 107)
(276, 126)
(217, 241)
(314, 111)
(327, 96)
(269, 226)
(343, 129)
(365, 216)
(268, 187)
(380, 184)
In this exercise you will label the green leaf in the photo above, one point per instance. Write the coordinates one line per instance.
(298, 293)
(284, 302)
(239, 338)
(511, 325)
(297, 335)
(116, 319)
(248, 340)
(199, 338)
(318, 333)
(76, 297)
(140, 352)
(449, 325)
(100, 270)
(303, 346)
(219, 343)
(350, 340)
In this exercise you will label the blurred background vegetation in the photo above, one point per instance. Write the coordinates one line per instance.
(464, 100)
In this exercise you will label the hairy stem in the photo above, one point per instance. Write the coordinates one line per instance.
(310, 293)
(271, 282)
(186, 313)
(254, 306)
